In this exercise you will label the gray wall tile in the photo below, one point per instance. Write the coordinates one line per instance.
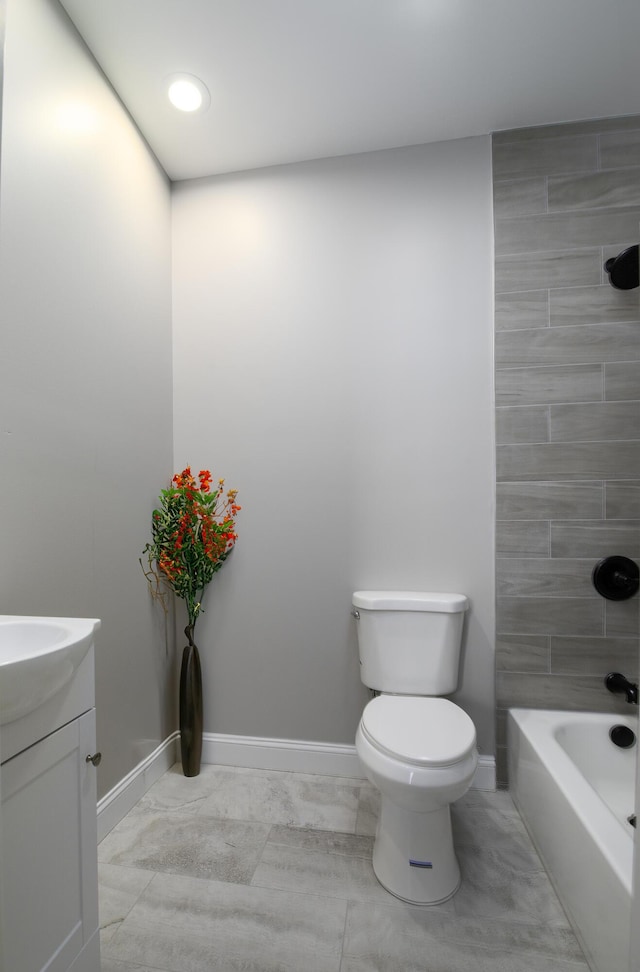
(590, 422)
(622, 381)
(602, 304)
(622, 501)
(600, 189)
(579, 355)
(594, 126)
(622, 618)
(515, 538)
(561, 231)
(522, 424)
(517, 159)
(595, 539)
(530, 386)
(620, 149)
(523, 653)
(520, 197)
(529, 309)
(541, 271)
(567, 692)
(571, 460)
(519, 577)
(567, 345)
(594, 656)
(551, 501)
(550, 615)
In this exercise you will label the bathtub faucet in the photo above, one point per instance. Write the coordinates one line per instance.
(616, 682)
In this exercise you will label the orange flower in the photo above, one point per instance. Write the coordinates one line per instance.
(192, 535)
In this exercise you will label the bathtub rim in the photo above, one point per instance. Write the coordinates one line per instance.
(615, 842)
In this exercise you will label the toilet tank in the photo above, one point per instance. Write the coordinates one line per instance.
(409, 641)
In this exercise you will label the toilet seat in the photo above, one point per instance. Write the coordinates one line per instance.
(421, 731)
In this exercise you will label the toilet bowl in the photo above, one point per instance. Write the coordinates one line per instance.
(417, 748)
(421, 755)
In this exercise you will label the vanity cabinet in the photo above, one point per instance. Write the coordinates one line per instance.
(49, 864)
(49, 874)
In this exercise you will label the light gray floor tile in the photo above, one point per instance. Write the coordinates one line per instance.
(175, 791)
(489, 800)
(327, 841)
(492, 828)
(311, 871)
(199, 911)
(293, 799)
(113, 965)
(120, 888)
(380, 939)
(505, 883)
(183, 843)
(188, 925)
(368, 810)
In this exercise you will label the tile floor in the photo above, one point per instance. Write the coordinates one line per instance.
(240, 870)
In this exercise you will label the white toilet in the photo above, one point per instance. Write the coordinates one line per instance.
(417, 749)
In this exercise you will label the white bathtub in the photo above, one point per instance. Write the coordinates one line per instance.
(575, 789)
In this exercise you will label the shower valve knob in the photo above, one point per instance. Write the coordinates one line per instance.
(616, 578)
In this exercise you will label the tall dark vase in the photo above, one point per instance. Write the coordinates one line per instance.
(190, 707)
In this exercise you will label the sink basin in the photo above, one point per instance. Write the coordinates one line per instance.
(38, 657)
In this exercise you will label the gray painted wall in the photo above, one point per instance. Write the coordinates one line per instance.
(568, 412)
(333, 360)
(85, 384)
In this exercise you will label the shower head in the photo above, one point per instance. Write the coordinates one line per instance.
(623, 270)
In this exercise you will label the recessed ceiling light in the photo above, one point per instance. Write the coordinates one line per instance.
(187, 93)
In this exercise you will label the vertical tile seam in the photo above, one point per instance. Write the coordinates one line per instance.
(549, 306)
(548, 522)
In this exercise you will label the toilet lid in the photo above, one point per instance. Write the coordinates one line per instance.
(428, 732)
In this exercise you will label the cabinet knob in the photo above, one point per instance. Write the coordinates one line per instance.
(95, 759)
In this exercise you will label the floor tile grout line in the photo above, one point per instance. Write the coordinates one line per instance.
(344, 934)
(260, 855)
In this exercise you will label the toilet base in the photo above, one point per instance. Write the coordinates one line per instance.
(413, 855)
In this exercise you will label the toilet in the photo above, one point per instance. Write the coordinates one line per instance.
(418, 749)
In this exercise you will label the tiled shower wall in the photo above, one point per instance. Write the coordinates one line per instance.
(567, 378)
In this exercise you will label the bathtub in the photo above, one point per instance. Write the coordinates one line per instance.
(574, 790)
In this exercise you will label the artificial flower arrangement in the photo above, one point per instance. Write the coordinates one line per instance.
(193, 532)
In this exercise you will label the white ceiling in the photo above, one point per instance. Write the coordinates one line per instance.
(299, 79)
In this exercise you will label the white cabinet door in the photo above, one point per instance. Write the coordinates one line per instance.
(49, 845)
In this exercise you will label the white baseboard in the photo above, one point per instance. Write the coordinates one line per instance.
(290, 755)
(254, 752)
(299, 756)
(123, 797)
(485, 778)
